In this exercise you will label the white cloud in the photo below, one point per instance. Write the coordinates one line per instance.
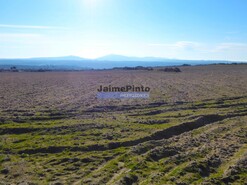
(18, 35)
(230, 46)
(23, 39)
(187, 45)
(201, 47)
(29, 27)
(201, 51)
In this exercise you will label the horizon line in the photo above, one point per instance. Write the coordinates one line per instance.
(97, 58)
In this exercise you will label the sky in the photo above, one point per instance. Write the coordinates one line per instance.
(178, 29)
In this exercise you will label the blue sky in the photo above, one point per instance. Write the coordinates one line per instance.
(183, 29)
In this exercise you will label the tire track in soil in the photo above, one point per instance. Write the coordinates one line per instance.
(163, 134)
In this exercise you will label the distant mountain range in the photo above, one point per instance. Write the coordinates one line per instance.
(60, 58)
(105, 62)
(112, 57)
(119, 58)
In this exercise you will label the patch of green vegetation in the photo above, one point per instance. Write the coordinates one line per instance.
(90, 149)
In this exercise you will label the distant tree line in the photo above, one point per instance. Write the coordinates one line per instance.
(166, 69)
(171, 69)
(135, 68)
(14, 69)
(11, 69)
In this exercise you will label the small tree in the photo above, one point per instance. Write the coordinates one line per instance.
(13, 69)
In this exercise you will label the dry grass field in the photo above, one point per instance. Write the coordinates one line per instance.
(192, 129)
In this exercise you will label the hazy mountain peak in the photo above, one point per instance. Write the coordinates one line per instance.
(114, 57)
(70, 57)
